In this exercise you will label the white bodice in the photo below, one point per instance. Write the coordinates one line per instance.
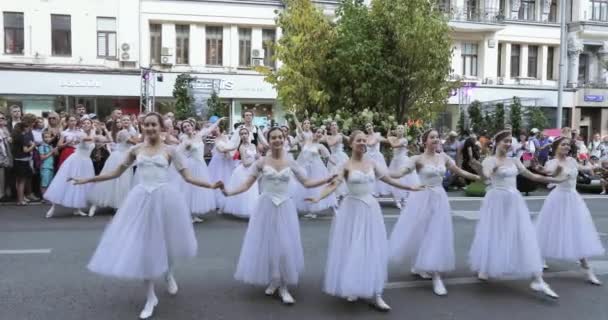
(196, 149)
(248, 154)
(431, 175)
(85, 148)
(569, 170)
(505, 177)
(309, 153)
(275, 184)
(373, 149)
(153, 171)
(402, 150)
(338, 147)
(361, 184)
(122, 138)
(72, 136)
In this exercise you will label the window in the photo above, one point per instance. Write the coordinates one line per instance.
(106, 37)
(214, 45)
(268, 38)
(499, 70)
(552, 11)
(244, 47)
(515, 48)
(599, 10)
(469, 59)
(527, 10)
(582, 68)
(533, 61)
(155, 43)
(182, 43)
(13, 32)
(550, 61)
(61, 35)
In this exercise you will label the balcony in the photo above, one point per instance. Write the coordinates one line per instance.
(471, 19)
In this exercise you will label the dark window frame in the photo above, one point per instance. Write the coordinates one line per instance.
(214, 42)
(107, 34)
(18, 34)
(57, 34)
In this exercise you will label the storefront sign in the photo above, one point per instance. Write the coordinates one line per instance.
(211, 84)
(594, 98)
(81, 83)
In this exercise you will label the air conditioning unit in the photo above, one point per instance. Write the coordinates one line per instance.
(257, 53)
(124, 52)
(166, 51)
(257, 62)
(501, 80)
(166, 60)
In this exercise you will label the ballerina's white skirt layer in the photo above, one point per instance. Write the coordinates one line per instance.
(64, 193)
(242, 205)
(381, 187)
(358, 250)
(199, 200)
(220, 169)
(315, 171)
(272, 249)
(565, 229)
(424, 234)
(150, 231)
(112, 193)
(505, 244)
(410, 179)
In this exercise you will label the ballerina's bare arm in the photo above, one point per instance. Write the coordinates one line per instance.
(536, 177)
(329, 189)
(183, 171)
(409, 167)
(256, 169)
(126, 164)
(301, 176)
(451, 165)
(382, 175)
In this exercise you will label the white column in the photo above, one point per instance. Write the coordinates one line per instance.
(233, 50)
(523, 60)
(489, 58)
(515, 5)
(506, 60)
(168, 40)
(544, 10)
(144, 43)
(575, 47)
(457, 59)
(256, 38)
(542, 67)
(197, 45)
(603, 57)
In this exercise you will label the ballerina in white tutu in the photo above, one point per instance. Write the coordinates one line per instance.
(240, 205)
(111, 194)
(424, 234)
(200, 200)
(291, 144)
(337, 159)
(400, 158)
(505, 244)
(565, 229)
(272, 250)
(374, 139)
(78, 164)
(221, 165)
(311, 160)
(357, 259)
(152, 229)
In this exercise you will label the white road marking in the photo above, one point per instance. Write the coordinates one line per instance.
(599, 267)
(27, 251)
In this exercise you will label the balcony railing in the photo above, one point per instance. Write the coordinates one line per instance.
(592, 85)
(474, 15)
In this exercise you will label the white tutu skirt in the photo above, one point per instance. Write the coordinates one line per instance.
(242, 205)
(150, 231)
(505, 244)
(64, 193)
(424, 234)
(410, 179)
(381, 187)
(315, 171)
(272, 249)
(565, 229)
(199, 200)
(111, 193)
(339, 158)
(357, 259)
(220, 169)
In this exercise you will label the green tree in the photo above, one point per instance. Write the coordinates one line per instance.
(499, 117)
(475, 116)
(516, 115)
(537, 118)
(488, 122)
(183, 101)
(217, 107)
(304, 49)
(461, 126)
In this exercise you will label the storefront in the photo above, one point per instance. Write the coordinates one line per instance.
(41, 91)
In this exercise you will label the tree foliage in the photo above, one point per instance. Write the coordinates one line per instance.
(217, 107)
(537, 118)
(390, 59)
(475, 116)
(461, 126)
(516, 115)
(499, 117)
(183, 101)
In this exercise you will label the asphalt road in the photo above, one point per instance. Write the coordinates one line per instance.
(51, 281)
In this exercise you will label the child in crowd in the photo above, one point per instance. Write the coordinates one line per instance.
(47, 165)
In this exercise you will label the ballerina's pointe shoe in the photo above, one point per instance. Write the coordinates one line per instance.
(438, 287)
(148, 309)
(79, 212)
(92, 211)
(592, 278)
(271, 289)
(51, 212)
(541, 286)
(171, 285)
(286, 296)
(380, 304)
(421, 274)
(482, 276)
(352, 299)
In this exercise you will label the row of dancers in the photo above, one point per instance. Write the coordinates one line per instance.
(152, 229)
(231, 160)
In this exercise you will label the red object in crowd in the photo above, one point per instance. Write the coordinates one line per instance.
(65, 153)
(556, 132)
(237, 156)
